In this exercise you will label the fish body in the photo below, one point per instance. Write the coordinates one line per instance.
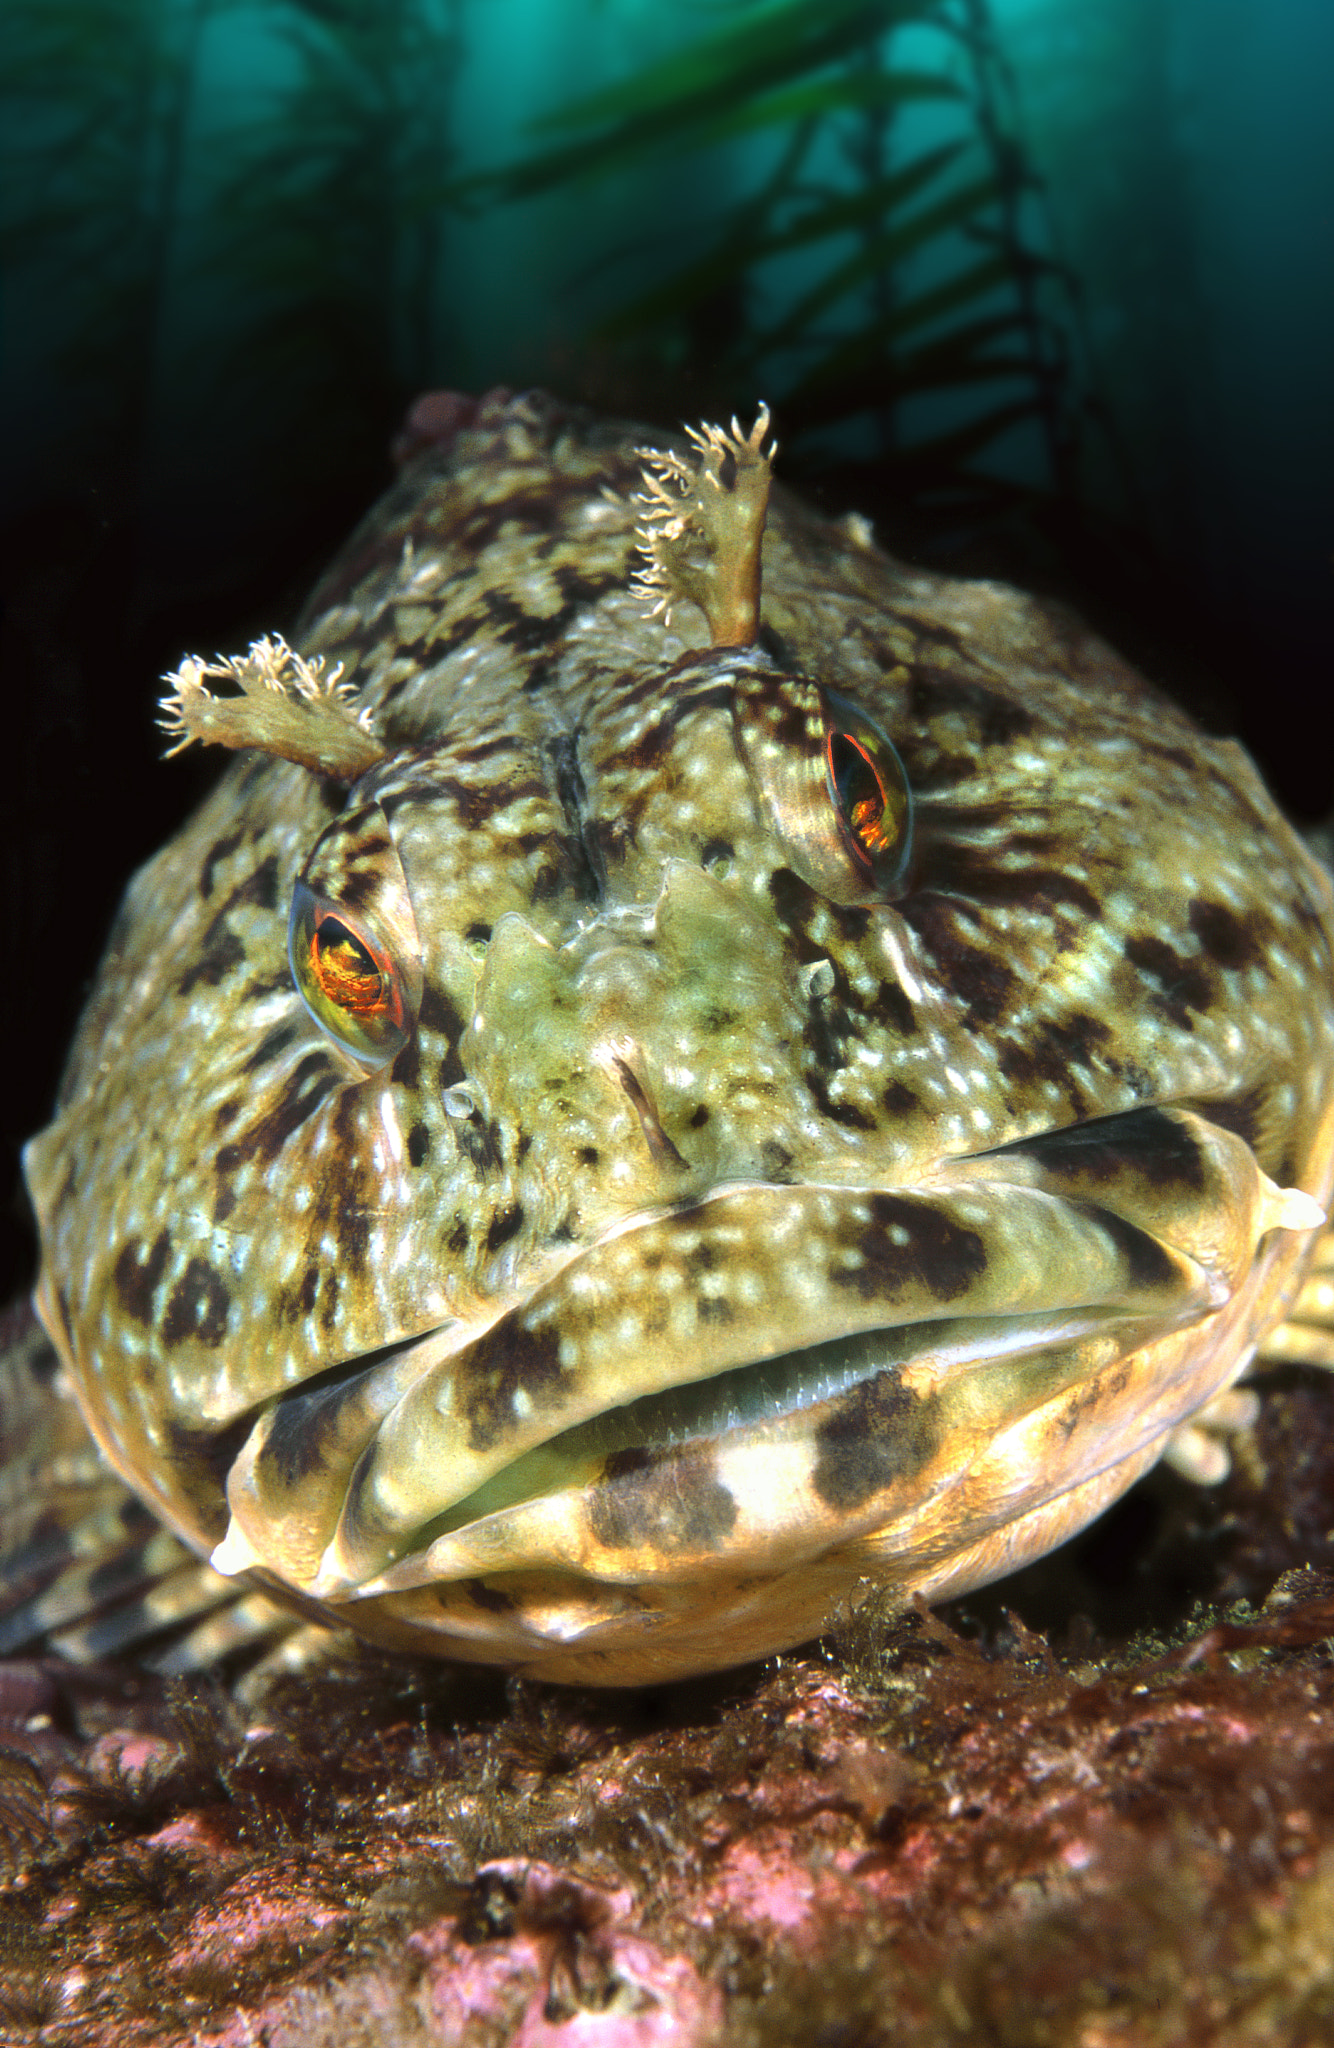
(567, 1191)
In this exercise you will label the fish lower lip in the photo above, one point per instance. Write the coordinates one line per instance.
(753, 1407)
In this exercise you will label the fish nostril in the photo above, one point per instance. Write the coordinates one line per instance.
(817, 979)
(460, 1103)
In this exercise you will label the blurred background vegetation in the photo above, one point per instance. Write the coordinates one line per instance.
(1043, 286)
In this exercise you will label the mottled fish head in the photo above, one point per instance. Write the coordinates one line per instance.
(679, 1130)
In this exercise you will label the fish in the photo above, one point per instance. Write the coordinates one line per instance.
(686, 1070)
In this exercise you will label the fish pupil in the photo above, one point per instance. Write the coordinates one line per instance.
(344, 970)
(861, 794)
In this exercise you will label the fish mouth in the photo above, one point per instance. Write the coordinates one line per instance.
(760, 1465)
(775, 1370)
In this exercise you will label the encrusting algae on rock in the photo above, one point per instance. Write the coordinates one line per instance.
(610, 1132)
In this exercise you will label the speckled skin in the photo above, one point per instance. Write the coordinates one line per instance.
(668, 1110)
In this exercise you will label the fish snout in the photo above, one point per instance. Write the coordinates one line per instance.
(659, 1036)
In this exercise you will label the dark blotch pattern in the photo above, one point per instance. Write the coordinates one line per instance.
(1049, 1050)
(304, 1435)
(849, 1114)
(490, 1599)
(877, 1434)
(479, 1142)
(197, 1308)
(220, 952)
(1154, 1147)
(310, 1081)
(671, 1501)
(710, 1310)
(1148, 1265)
(940, 1255)
(503, 1226)
(1245, 1116)
(1183, 985)
(795, 905)
(202, 1458)
(1227, 939)
(219, 949)
(996, 719)
(583, 856)
(407, 1067)
(504, 1359)
(221, 850)
(776, 1160)
(1027, 878)
(976, 975)
(270, 1045)
(829, 1027)
(892, 1007)
(136, 1278)
(437, 1016)
(477, 804)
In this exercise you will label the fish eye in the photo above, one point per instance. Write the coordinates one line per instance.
(347, 978)
(831, 782)
(869, 791)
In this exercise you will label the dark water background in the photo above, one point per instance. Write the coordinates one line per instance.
(238, 238)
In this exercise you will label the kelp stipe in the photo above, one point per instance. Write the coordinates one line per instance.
(330, 233)
(945, 290)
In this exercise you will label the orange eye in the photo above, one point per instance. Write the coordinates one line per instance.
(346, 977)
(870, 793)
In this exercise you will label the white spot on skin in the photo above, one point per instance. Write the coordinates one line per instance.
(893, 952)
(392, 1130)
